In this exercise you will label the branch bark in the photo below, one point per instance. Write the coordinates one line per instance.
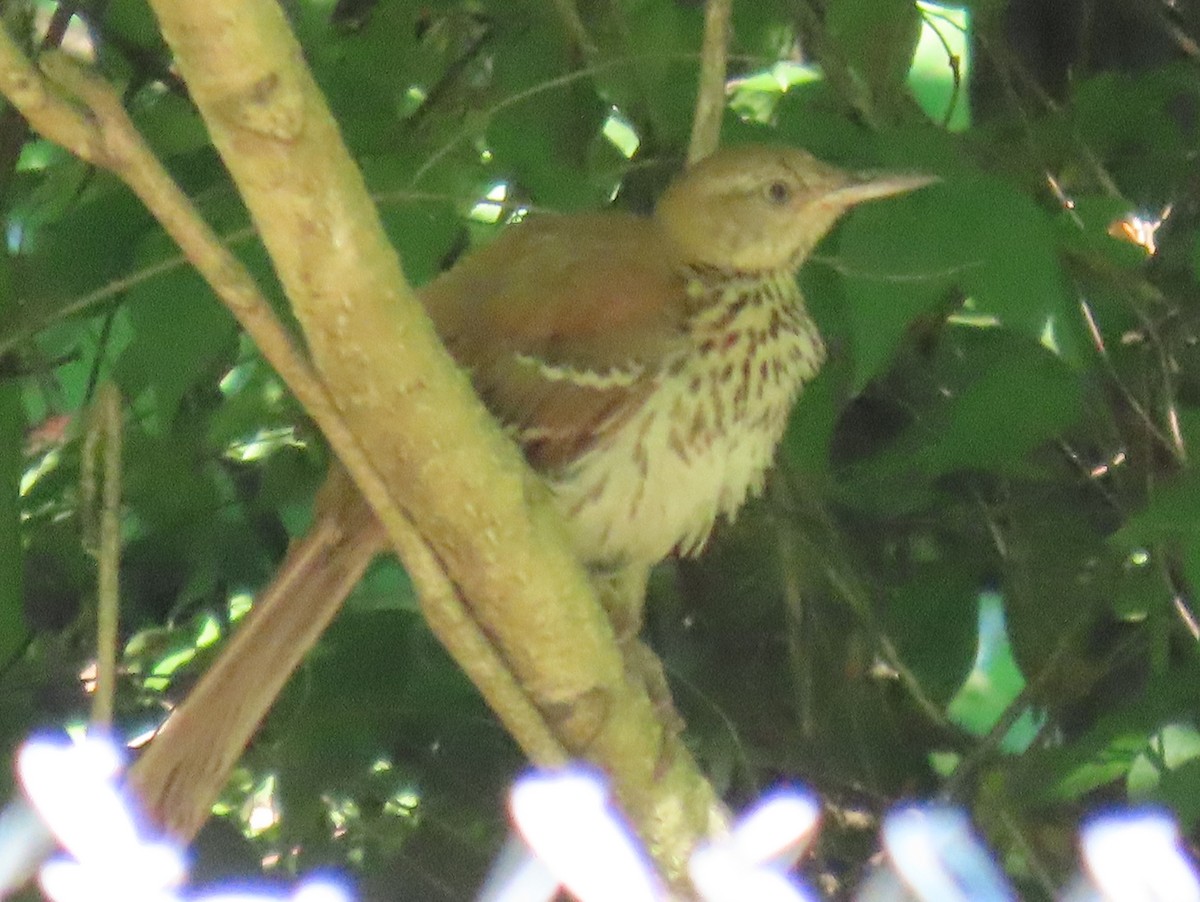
(710, 101)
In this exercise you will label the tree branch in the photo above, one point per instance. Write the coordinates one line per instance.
(400, 416)
(181, 774)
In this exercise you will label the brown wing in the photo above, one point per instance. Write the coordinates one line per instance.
(563, 322)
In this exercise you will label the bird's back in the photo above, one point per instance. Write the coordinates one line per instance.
(559, 321)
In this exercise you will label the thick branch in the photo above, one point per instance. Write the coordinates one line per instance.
(416, 431)
(487, 519)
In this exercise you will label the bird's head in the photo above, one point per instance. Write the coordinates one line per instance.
(763, 209)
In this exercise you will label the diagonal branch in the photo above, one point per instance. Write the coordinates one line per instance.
(403, 420)
(181, 774)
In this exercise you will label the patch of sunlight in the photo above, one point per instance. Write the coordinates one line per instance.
(46, 464)
(412, 100)
(342, 811)
(76, 42)
(1140, 229)
(970, 316)
(240, 604)
(262, 444)
(1049, 337)
(249, 374)
(167, 665)
(621, 134)
(994, 682)
(944, 763)
(943, 49)
(15, 237)
(137, 740)
(754, 97)
(381, 765)
(1172, 747)
(238, 786)
(87, 676)
(405, 803)
(261, 810)
(565, 818)
(1138, 855)
(156, 684)
(210, 632)
(234, 380)
(37, 155)
(491, 208)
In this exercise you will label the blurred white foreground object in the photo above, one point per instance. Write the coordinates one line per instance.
(933, 856)
(1134, 856)
(74, 787)
(573, 837)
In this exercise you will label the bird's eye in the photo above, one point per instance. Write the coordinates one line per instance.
(779, 193)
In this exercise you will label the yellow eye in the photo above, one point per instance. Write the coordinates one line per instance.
(779, 193)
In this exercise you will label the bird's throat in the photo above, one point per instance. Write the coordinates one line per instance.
(700, 444)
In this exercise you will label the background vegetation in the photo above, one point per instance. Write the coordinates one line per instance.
(974, 571)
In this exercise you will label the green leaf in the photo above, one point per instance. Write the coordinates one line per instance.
(1085, 228)
(933, 618)
(87, 243)
(1023, 396)
(1131, 123)
(877, 39)
(166, 483)
(172, 126)
(1170, 521)
(423, 227)
(543, 142)
(908, 256)
(1109, 748)
(652, 47)
(366, 74)
(182, 338)
(1002, 396)
(133, 22)
(1170, 513)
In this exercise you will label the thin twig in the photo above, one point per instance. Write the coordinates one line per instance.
(858, 600)
(1152, 428)
(22, 331)
(104, 441)
(952, 60)
(573, 24)
(1007, 65)
(1161, 13)
(484, 117)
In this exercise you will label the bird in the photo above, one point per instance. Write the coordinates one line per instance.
(646, 367)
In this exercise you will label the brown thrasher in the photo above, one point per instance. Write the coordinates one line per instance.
(645, 365)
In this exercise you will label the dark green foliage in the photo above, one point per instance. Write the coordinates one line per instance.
(1011, 410)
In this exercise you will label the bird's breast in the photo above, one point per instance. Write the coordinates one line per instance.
(700, 444)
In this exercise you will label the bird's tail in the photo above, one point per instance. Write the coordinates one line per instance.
(189, 761)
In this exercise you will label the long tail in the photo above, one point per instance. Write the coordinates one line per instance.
(190, 759)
